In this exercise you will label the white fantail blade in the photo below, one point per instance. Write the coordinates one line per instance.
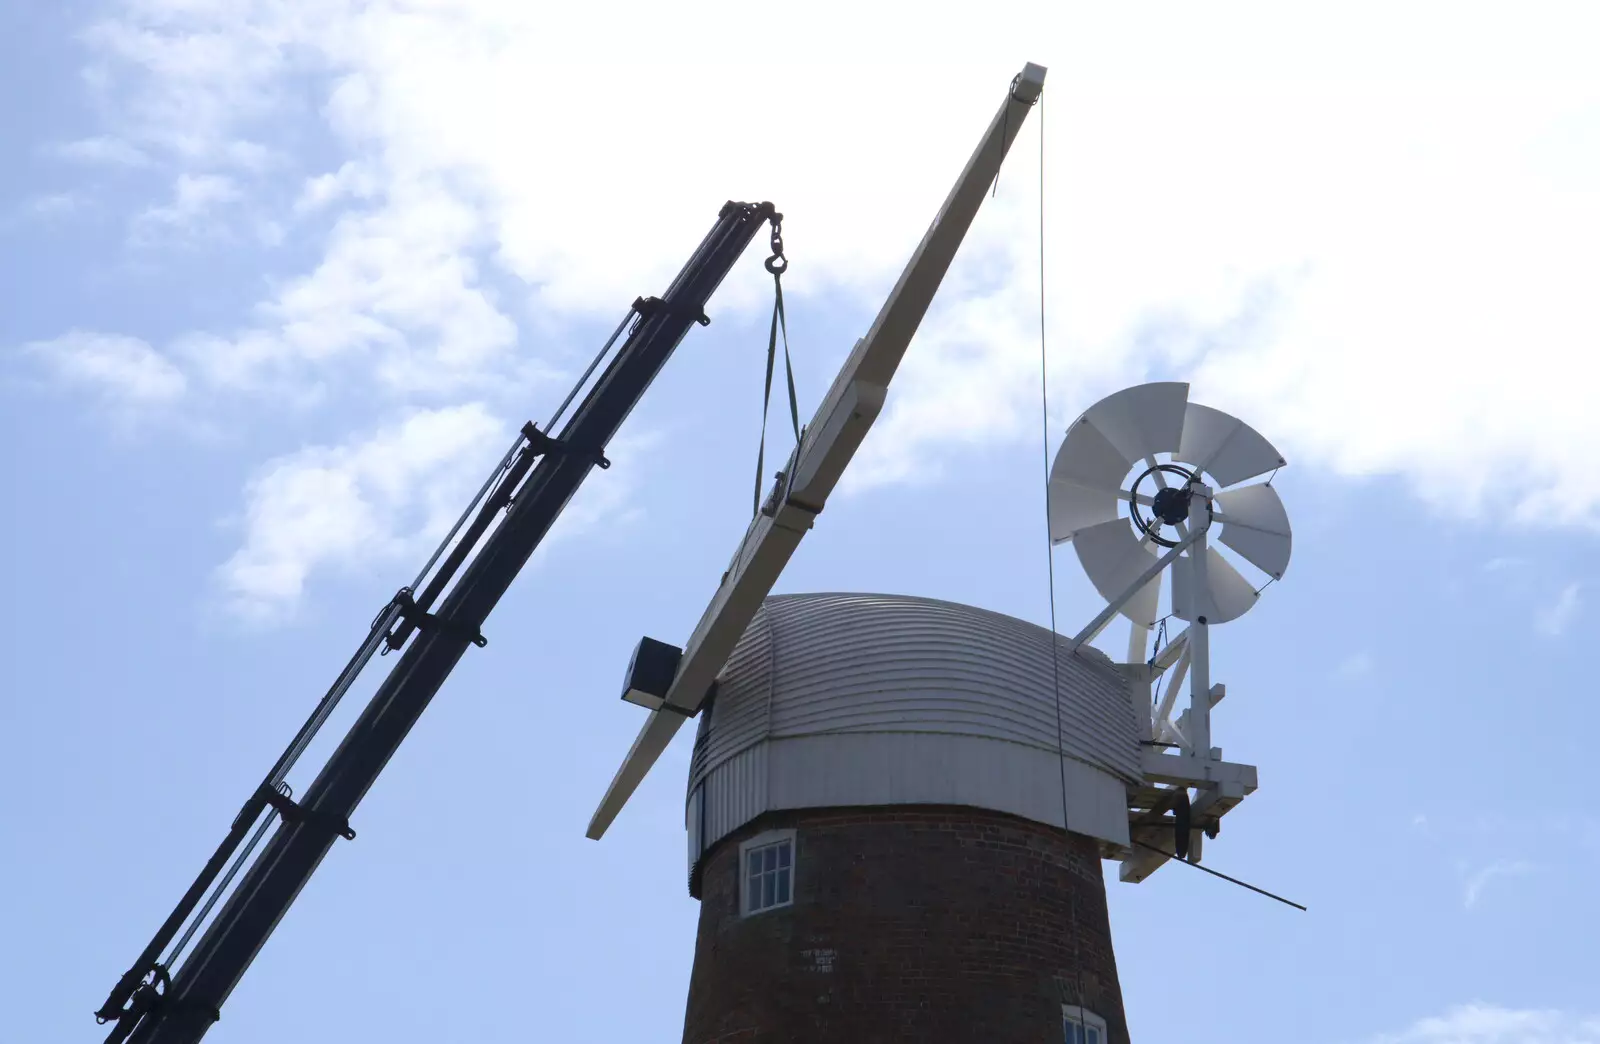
(1142, 421)
(1224, 447)
(1085, 482)
(1229, 595)
(1114, 559)
(1255, 524)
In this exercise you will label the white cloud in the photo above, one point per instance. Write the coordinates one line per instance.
(123, 370)
(372, 500)
(103, 150)
(1554, 620)
(391, 494)
(1382, 265)
(350, 180)
(1504, 563)
(210, 68)
(1472, 889)
(397, 298)
(1356, 665)
(1387, 273)
(399, 287)
(54, 204)
(194, 198)
(1486, 1024)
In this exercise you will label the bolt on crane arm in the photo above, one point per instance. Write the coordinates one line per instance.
(154, 1003)
(831, 440)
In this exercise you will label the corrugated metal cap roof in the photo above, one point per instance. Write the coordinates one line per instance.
(813, 664)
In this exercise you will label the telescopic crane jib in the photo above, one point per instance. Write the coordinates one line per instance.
(156, 1004)
(160, 1001)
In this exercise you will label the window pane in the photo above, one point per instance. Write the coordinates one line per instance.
(783, 854)
(1091, 1035)
(769, 888)
(783, 885)
(752, 892)
(771, 854)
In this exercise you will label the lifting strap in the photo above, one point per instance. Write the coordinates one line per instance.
(777, 264)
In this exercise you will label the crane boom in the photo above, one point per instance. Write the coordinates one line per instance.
(831, 440)
(153, 1004)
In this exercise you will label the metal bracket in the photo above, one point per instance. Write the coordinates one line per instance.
(646, 307)
(293, 812)
(542, 443)
(150, 997)
(429, 622)
(142, 998)
(778, 494)
(781, 495)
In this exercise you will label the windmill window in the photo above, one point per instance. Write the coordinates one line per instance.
(767, 871)
(1082, 1026)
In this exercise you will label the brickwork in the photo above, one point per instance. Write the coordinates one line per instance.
(924, 924)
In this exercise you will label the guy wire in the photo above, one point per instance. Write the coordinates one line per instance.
(1050, 564)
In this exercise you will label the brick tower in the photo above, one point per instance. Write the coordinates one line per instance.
(880, 837)
(903, 923)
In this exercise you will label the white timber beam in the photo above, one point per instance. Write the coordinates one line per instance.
(1161, 767)
(1143, 862)
(847, 412)
(1207, 810)
(1197, 729)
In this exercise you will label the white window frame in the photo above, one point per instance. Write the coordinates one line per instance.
(761, 841)
(1074, 1014)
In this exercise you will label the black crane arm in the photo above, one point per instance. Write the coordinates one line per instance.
(154, 1004)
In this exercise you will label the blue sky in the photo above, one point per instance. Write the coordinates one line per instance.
(284, 278)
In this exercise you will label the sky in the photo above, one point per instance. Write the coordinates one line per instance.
(284, 278)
